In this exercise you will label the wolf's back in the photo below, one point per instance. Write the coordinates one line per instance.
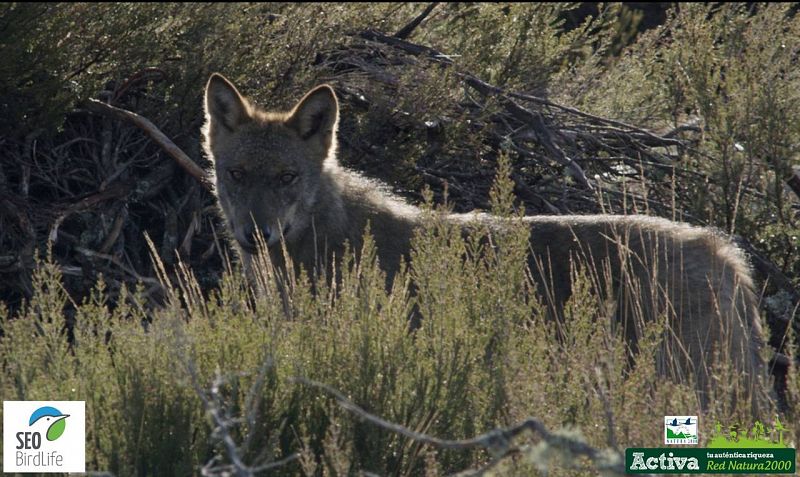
(654, 268)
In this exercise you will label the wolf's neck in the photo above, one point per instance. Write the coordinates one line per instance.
(330, 212)
(330, 221)
(345, 204)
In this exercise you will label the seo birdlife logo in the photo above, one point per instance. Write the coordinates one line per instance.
(56, 422)
(44, 436)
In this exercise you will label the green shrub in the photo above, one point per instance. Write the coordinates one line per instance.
(484, 356)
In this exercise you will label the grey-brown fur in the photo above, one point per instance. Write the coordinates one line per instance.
(279, 172)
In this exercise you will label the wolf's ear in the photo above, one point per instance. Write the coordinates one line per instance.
(316, 115)
(224, 105)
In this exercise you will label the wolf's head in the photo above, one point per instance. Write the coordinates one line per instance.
(268, 165)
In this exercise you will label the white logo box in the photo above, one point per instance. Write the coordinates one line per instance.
(26, 444)
(683, 425)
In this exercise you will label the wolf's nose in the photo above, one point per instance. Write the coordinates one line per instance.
(249, 236)
(252, 235)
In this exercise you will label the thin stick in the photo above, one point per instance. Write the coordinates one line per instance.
(499, 442)
(155, 134)
(404, 32)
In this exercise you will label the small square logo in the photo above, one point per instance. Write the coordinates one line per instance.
(44, 436)
(680, 430)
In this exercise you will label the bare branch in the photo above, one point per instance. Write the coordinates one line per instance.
(498, 442)
(155, 134)
(406, 31)
(224, 423)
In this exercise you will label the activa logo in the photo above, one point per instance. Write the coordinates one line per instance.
(663, 462)
(37, 438)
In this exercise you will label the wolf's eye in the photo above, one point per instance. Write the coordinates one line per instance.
(236, 174)
(288, 177)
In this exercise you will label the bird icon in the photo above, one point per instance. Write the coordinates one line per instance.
(675, 422)
(56, 421)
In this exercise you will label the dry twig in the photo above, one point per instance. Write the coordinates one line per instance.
(155, 134)
(498, 442)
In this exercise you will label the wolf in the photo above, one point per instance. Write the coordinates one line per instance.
(276, 174)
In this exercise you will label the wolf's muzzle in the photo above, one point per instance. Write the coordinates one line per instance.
(250, 239)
